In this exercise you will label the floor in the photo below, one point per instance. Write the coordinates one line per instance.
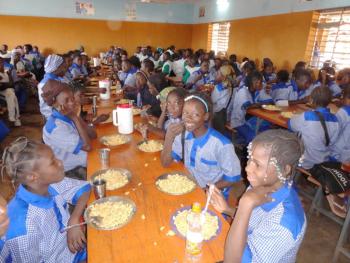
(321, 236)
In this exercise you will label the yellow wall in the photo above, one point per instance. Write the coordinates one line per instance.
(283, 38)
(60, 35)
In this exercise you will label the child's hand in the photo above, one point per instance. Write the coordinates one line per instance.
(218, 201)
(76, 239)
(175, 129)
(163, 107)
(257, 196)
(4, 220)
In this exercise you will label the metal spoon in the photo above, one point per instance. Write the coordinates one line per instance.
(94, 219)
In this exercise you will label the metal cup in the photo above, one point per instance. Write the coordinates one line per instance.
(104, 158)
(99, 186)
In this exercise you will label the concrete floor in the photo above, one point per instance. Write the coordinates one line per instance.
(320, 239)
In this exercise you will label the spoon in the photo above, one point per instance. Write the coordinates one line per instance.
(211, 189)
(95, 219)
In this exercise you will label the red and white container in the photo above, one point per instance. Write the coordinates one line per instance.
(123, 118)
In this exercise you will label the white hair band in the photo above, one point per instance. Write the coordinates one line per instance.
(200, 99)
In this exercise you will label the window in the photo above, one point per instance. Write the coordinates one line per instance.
(330, 38)
(218, 37)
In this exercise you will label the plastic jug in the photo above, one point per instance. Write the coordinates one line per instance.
(107, 85)
(123, 118)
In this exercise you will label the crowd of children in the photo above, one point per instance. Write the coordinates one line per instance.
(197, 99)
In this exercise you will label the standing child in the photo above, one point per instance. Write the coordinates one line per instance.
(39, 213)
(270, 223)
(206, 153)
(76, 69)
(65, 131)
(326, 77)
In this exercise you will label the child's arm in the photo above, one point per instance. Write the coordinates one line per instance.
(75, 236)
(81, 127)
(237, 236)
(166, 154)
(161, 120)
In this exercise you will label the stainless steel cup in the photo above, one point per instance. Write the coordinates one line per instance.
(104, 158)
(99, 186)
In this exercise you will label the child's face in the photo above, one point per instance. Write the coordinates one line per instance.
(68, 61)
(156, 56)
(49, 170)
(205, 67)
(303, 83)
(194, 115)
(65, 102)
(174, 105)
(257, 84)
(220, 77)
(218, 63)
(78, 61)
(140, 80)
(259, 173)
(125, 66)
(78, 97)
(268, 70)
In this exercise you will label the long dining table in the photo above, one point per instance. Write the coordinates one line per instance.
(144, 238)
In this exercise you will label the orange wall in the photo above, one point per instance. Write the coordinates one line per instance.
(60, 35)
(283, 38)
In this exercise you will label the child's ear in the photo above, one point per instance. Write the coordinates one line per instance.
(206, 116)
(287, 169)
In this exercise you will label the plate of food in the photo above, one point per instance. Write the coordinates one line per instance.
(211, 227)
(287, 114)
(150, 146)
(111, 212)
(271, 107)
(115, 177)
(114, 140)
(175, 183)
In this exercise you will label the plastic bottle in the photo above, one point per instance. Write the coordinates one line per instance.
(194, 236)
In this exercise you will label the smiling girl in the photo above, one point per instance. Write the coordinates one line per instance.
(208, 155)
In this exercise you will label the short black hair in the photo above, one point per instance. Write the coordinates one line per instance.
(321, 96)
(301, 73)
(283, 76)
(254, 75)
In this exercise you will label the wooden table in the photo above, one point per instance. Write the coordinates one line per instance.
(142, 240)
(275, 117)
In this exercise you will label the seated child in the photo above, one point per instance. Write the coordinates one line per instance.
(206, 153)
(200, 77)
(191, 66)
(167, 66)
(220, 97)
(38, 212)
(268, 72)
(7, 90)
(65, 131)
(214, 71)
(156, 61)
(243, 97)
(294, 92)
(326, 77)
(309, 126)
(55, 69)
(341, 149)
(269, 224)
(128, 79)
(76, 69)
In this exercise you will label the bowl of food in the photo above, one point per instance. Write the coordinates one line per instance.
(271, 108)
(150, 146)
(115, 177)
(287, 114)
(111, 212)
(175, 183)
(114, 140)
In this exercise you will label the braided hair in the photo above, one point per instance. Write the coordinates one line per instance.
(18, 158)
(285, 149)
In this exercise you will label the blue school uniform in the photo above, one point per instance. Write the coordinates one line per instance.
(45, 109)
(269, 77)
(206, 79)
(276, 229)
(76, 70)
(213, 72)
(283, 91)
(309, 126)
(129, 78)
(341, 148)
(5, 254)
(220, 97)
(209, 158)
(62, 136)
(35, 223)
(84, 70)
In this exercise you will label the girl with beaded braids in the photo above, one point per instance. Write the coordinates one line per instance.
(38, 212)
(269, 223)
(206, 153)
